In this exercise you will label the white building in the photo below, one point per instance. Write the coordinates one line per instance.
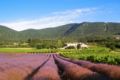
(75, 45)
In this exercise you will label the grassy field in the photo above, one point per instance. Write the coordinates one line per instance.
(24, 50)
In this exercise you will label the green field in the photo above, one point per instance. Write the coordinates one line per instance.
(24, 50)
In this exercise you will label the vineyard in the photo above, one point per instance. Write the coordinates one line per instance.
(53, 67)
(93, 55)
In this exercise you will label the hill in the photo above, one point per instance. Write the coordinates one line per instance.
(7, 33)
(73, 30)
(92, 29)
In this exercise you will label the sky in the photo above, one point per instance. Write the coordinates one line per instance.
(38, 14)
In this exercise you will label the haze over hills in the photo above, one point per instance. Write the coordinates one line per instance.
(73, 30)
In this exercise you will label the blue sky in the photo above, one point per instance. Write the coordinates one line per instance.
(37, 14)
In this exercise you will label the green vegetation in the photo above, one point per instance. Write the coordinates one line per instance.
(46, 44)
(94, 54)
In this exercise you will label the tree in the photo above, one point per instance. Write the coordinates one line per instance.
(60, 43)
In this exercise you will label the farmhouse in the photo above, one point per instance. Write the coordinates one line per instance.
(75, 45)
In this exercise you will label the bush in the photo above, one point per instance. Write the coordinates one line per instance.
(40, 46)
(117, 45)
(70, 47)
(110, 45)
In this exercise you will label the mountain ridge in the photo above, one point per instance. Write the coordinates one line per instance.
(72, 30)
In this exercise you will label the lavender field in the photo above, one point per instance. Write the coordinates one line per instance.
(53, 67)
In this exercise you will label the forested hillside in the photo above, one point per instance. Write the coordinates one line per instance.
(74, 30)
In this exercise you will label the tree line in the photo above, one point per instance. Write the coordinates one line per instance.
(58, 43)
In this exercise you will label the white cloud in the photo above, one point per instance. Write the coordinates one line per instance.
(55, 19)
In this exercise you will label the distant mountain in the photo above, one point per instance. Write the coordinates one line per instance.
(74, 30)
(7, 33)
(95, 29)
